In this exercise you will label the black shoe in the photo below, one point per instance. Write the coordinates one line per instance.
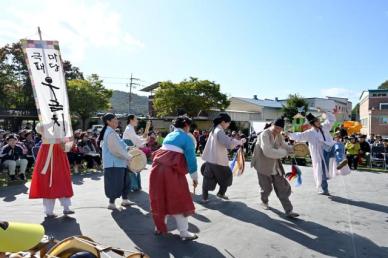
(223, 196)
(342, 164)
(13, 177)
(22, 177)
(324, 193)
(68, 212)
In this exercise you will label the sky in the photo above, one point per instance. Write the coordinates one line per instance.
(314, 48)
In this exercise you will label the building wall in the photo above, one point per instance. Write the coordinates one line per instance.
(374, 120)
(345, 109)
(270, 114)
(379, 122)
(239, 105)
(364, 116)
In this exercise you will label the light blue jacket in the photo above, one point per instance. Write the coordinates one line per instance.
(181, 139)
(109, 160)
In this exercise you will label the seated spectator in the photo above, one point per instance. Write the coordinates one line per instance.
(372, 139)
(386, 150)
(75, 157)
(29, 143)
(77, 135)
(88, 151)
(93, 139)
(3, 140)
(14, 156)
(378, 141)
(151, 145)
(352, 149)
(364, 153)
(22, 135)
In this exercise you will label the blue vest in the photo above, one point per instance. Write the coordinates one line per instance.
(109, 160)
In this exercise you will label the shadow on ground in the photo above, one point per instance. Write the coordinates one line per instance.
(158, 246)
(326, 241)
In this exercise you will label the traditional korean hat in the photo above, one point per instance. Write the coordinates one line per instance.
(311, 118)
(279, 122)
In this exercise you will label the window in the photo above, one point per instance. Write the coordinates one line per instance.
(383, 120)
(383, 106)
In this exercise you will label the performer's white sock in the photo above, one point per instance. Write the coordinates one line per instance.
(48, 205)
(66, 203)
(182, 223)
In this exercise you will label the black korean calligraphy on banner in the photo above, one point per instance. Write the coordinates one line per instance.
(48, 81)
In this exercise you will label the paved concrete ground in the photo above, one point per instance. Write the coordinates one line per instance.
(351, 223)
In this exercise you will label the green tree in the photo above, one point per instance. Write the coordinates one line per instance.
(86, 97)
(72, 72)
(383, 86)
(14, 79)
(15, 84)
(193, 95)
(294, 101)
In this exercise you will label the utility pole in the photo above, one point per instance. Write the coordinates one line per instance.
(132, 84)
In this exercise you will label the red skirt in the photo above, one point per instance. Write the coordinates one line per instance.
(61, 186)
(169, 191)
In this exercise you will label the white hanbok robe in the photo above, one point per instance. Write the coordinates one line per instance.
(130, 134)
(317, 144)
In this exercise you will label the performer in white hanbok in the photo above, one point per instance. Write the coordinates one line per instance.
(326, 155)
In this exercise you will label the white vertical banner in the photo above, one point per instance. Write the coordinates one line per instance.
(45, 67)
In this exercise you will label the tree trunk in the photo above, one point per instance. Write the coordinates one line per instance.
(83, 123)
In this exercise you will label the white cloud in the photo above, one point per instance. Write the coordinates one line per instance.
(76, 24)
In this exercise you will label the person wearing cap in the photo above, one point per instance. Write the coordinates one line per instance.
(115, 159)
(322, 148)
(352, 149)
(266, 159)
(14, 156)
(216, 169)
(168, 190)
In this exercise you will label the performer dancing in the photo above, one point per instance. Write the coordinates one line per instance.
(169, 191)
(269, 149)
(131, 138)
(51, 178)
(115, 160)
(216, 168)
(322, 149)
